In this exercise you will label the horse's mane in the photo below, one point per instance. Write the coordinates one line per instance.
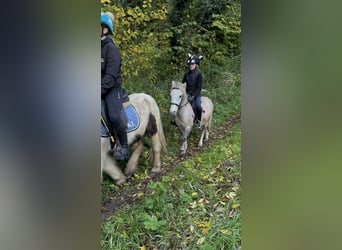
(180, 85)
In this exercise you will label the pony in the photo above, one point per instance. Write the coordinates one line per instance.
(182, 113)
(145, 120)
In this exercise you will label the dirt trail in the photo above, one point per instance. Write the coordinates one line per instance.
(129, 196)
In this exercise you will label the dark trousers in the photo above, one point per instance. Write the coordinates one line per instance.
(115, 112)
(198, 108)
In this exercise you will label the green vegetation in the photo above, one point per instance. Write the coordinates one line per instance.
(155, 36)
(196, 205)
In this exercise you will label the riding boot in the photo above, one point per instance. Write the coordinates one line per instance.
(197, 124)
(199, 115)
(173, 122)
(112, 144)
(121, 151)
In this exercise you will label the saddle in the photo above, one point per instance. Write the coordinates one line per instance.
(131, 119)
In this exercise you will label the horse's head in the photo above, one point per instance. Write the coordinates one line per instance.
(177, 96)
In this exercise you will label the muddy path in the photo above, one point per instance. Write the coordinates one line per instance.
(128, 197)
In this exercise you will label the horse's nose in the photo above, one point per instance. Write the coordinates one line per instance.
(172, 111)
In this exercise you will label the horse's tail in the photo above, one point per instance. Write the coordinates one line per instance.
(161, 133)
(160, 129)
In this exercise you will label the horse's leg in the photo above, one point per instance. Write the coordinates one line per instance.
(156, 147)
(204, 129)
(108, 164)
(207, 131)
(133, 160)
(184, 137)
(206, 137)
(104, 149)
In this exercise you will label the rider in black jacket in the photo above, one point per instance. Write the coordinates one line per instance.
(111, 91)
(194, 81)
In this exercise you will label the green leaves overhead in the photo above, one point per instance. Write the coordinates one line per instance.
(139, 37)
(152, 34)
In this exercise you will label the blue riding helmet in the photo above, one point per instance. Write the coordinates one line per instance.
(105, 20)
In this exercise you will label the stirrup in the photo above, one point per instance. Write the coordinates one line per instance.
(197, 124)
(173, 123)
(120, 153)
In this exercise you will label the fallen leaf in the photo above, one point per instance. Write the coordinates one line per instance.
(193, 204)
(231, 195)
(194, 194)
(225, 231)
(220, 209)
(200, 240)
(235, 206)
(205, 230)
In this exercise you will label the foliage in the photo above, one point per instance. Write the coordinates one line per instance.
(138, 34)
(228, 27)
(209, 28)
(152, 223)
(155, 36)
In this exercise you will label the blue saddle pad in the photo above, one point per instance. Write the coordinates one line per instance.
(133, 121)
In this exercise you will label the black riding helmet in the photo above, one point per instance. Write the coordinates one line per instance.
(194, 59)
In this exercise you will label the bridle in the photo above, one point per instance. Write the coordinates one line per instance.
(179, 106)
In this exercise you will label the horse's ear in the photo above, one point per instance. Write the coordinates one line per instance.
(200, 57)
(173, 83)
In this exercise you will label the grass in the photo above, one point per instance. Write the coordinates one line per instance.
(196, 206)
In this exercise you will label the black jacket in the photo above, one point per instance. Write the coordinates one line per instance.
(194, 81)
(110, 66)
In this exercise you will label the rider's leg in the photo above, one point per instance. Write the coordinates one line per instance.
(198, 112)
(115, 113)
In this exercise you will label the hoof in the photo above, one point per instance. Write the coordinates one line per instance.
(121, 181)
(181, 153)
(128, 172)
(155, 171)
